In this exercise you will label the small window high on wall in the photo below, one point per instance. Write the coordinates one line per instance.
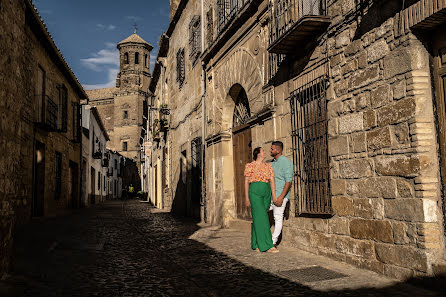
(136, 58)
(126, 58)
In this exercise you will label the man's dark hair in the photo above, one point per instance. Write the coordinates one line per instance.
(278, 144)
(256, 152)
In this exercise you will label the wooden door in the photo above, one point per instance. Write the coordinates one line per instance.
(39, 180)
(242, 152)
(439, 71)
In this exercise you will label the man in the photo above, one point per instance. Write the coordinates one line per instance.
(283, 175)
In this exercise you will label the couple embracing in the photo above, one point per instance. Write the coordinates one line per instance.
(267, 187)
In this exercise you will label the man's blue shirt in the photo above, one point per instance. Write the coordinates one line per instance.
(283, 173)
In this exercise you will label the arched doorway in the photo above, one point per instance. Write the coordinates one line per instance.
(242, 147)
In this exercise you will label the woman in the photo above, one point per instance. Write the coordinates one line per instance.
(259, 186)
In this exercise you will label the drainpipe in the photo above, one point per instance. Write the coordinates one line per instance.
(203, 116)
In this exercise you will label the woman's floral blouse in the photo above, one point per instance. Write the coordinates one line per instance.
(262, 172)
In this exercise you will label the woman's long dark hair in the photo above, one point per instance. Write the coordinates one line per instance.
(256, 152)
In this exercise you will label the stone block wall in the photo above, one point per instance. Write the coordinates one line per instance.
(384, 167)
(14, 190)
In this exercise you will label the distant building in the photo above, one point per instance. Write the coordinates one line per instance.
(121, 107)
(95, 156)
(39, 124)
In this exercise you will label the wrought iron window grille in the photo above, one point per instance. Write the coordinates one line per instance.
(181, 68)
(195, 39)
(310, 148)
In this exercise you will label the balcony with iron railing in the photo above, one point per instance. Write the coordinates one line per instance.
(295, 23)
(231, 15)
(46, 113)
(227, 10)
(97, 153)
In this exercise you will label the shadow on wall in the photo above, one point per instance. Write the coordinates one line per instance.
(184, 203)
(376, 14)
(177, 264)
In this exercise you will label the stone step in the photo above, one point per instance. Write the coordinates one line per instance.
(240, 225)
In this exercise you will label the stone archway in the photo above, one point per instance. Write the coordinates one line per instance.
(234, 73)
(241, 147)
(240, 69)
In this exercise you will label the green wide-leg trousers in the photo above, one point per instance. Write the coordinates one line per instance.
(260, 199)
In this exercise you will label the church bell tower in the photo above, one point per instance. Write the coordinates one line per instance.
(134, 67)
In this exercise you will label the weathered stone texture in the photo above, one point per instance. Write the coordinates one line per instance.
(375, 187)
(351, 123)
(355, 168)
(369, 119)
(403, 60)
(396, 112)
(377, 50)
(410, 210)
(371, 229)
(363, 77)
(342, 206)
(379, 138)
(358, 142)
(380, 96)
(338, 187)
(360, 248)
(404, 256)
(338, 146)
(399, 165)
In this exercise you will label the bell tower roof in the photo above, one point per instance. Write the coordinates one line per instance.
(135, 39)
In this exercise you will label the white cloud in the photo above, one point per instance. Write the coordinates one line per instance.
(103, 59)
(105, 27)
(106, 61)
(111, 80)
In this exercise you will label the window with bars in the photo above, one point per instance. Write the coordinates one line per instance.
(195, 38)
(310, 150)
(76, 121)
(210, 26)
(62, 123)
(58, 176)
(181, 68)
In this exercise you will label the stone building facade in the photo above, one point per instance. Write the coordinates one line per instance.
(39, 126)
(95, 157)
(355, 91)
(122, 107)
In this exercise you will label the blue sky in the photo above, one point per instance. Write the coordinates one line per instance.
(87, 31)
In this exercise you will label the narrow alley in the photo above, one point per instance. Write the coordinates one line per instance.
(128, 248)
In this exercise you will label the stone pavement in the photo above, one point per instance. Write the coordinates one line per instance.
(131, 249)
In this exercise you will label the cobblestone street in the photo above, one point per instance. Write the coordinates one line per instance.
(131, 249)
